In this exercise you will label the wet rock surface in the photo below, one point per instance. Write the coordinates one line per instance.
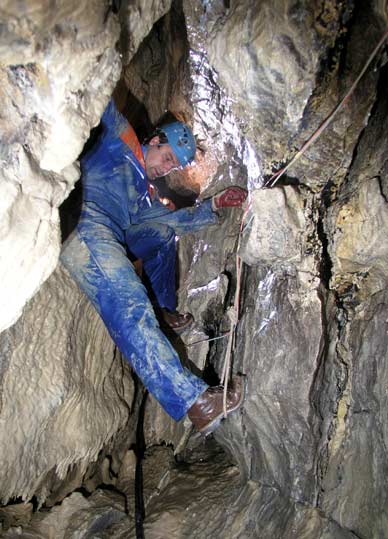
(58, 69)
(63, 406)
(306, 456)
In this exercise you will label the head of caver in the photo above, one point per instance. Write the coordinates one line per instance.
(172, 146)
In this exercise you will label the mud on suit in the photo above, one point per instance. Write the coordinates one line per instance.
(118, 217)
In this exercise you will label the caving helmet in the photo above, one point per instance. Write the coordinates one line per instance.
(181, 140)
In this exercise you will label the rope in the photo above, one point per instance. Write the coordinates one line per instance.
(233, 312)
(272, 181)
(233, 317)
(140, 448)
(209, 339)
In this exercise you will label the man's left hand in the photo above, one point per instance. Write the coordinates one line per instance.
(232, 197)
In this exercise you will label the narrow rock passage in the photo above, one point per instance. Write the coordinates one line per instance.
(254, 80)
(190, 498)
(183, 498)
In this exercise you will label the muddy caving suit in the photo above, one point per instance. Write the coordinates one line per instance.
(118, 216)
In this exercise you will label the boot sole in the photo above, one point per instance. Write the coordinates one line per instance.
(182, 329)
(177, 331)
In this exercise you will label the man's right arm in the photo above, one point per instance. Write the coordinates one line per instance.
(184, 220)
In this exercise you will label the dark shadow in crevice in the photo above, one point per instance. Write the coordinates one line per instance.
(70, 211)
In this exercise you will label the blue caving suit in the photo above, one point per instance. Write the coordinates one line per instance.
(118, 217)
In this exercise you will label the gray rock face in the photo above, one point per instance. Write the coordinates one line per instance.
(308, 449)
(354, 454)
(267, 55)
(274, 228)
(286, 65)
(137, 18)
(61, 404)
(58, 70)
(355, 457)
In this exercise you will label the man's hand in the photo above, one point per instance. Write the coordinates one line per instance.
(231, 197)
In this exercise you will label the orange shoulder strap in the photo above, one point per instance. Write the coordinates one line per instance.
(129, 137)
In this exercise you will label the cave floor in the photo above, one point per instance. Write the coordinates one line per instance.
(186, 495)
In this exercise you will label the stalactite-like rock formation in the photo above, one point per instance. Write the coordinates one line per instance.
(62, 403)
(306, 456)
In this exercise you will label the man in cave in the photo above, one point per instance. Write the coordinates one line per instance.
(121, 221)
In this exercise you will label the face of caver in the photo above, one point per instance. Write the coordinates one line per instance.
(159, 159)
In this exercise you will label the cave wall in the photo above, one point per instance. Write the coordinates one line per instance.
(66, 395)
(58, 68)
(254, 79)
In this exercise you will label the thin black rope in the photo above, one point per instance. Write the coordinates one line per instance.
(139, 452)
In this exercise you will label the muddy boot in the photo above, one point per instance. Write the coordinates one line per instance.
(175, 321)
(207, 412)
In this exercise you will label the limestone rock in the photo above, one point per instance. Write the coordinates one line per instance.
(358, 245)
(354, 459)
(279, 64)
(353, 396)
(76, 517)
(275, 227)
(267, 56)
(59, 67)
(137, 19)
(158, 75)
(356, 222)
(64, 394)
